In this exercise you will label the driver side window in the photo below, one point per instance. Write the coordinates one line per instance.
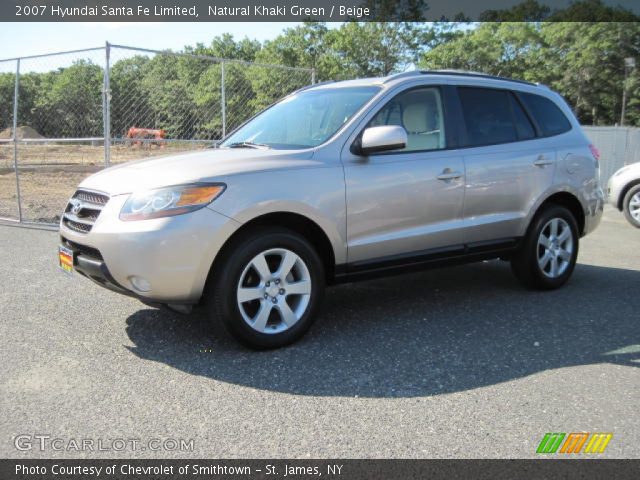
(419, 112)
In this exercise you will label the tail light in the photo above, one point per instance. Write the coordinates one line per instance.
(596, 156)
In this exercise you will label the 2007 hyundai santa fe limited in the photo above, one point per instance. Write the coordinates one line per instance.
(339, 182)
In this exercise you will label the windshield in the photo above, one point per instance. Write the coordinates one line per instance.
(303, 120)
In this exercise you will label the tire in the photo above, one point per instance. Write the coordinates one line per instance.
(258, 304)
(631, 206)
(545, 268)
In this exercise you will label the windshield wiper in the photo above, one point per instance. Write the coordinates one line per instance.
(247, 145)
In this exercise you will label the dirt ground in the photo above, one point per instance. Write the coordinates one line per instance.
(50, 173)
(86, 153)
(44, 194)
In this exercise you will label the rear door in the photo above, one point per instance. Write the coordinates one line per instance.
(507, 167)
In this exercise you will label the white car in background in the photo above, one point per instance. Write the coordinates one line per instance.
(624, 192)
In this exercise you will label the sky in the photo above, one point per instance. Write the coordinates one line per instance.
(21, 39)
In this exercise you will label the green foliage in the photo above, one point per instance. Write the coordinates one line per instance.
(527, 11)
(7, 88)
(355, 49)
(224, 46)
(581, 10)
(183, 94)
(593, 11)
(582, 61)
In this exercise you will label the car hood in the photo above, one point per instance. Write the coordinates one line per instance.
(631, 169)
(201, 166)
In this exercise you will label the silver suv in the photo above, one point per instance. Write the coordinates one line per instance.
(340, 182)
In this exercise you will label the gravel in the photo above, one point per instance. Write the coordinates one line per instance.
(458, 362)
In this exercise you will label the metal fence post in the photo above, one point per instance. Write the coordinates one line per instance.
(106, 112)
(16, 95)
(223, 101)
(313, 76)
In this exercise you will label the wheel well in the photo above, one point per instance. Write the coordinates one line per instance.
(623, 192)
(571, 203)
(300, 224)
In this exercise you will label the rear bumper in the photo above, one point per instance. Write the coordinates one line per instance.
(594, 211)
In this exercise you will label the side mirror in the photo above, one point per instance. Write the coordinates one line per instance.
(382, 139)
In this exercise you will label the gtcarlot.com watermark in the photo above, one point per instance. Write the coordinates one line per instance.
(51, 443)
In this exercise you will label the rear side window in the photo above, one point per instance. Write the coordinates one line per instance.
(487, 116)
(524, 127)
(549, 117)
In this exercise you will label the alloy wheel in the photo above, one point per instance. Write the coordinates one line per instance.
(274, 291)
(634, 207)
(555, 248)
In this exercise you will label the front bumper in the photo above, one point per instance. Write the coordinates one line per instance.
(90, 265)
(611, 198)
(172, 254)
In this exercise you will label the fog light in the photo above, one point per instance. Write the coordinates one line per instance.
(140, 284)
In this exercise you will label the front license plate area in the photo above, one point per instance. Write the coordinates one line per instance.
(65, 259)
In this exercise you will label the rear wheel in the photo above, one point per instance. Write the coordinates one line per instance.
(549, 251)
(268, 289)
(631, 206)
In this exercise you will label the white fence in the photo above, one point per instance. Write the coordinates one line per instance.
(619, 146)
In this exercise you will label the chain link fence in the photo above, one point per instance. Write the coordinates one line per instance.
(64, 116)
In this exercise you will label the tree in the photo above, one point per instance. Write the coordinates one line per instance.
(576, 11)
(583, 61)
(503, 49)
(593, 11)
(131, 105)
(301, 46)
(225, 46)
(355, 49)
(7, 88)
(66, 102)
(527, 11)
(376, 48)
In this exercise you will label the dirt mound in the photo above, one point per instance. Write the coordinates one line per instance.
(22, 132)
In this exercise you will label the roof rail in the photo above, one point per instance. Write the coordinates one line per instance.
(460, 73)
(465, 73)
(395, 76)
(307, 87)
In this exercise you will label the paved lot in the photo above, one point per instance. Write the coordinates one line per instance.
(449, 363)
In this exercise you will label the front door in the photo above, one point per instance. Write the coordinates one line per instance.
(406, 201)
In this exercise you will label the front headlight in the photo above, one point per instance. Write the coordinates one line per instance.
(170, 201)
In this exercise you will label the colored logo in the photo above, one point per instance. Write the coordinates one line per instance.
(574, 442)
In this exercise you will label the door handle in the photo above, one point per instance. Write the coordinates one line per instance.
(449, 175)
(542, 161)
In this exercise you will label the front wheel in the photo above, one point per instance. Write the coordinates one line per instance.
(548, 253)
(631, 205)
(268, 289)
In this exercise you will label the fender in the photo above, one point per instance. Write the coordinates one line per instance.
(336, 238)
(548, 193)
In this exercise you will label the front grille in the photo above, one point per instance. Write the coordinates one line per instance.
(83, 210)
(91, 197)
(77, 226)
(94, 253)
